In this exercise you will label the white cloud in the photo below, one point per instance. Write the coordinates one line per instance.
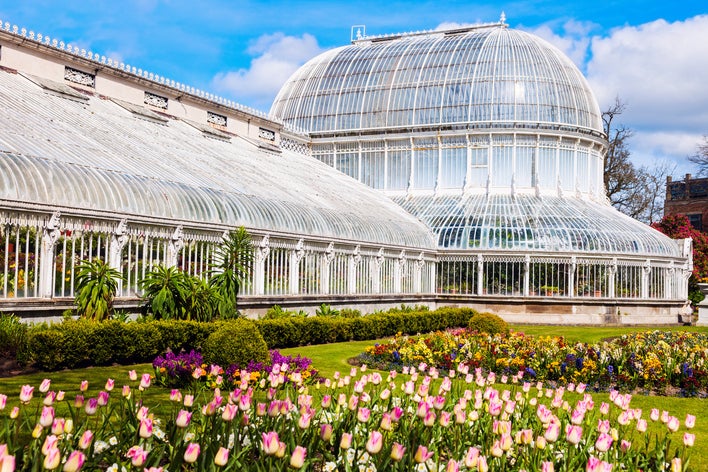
(276, 58)
(574, 41)
(659, 70)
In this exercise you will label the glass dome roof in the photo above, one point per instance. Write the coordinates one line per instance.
(98, 156)
(536, 224)
(474, 78)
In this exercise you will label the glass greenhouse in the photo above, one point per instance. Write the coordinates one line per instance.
(448, 167)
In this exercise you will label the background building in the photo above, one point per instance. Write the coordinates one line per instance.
(688, 197)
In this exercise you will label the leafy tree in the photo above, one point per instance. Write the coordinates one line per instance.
(233, 264)
(96, 287)
(164, 290)
(679, 227)
(701, 157)
(635, 191)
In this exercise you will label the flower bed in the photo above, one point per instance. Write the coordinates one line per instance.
(360, 421)
(657, 361)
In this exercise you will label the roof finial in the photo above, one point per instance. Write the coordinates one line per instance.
(502, 18)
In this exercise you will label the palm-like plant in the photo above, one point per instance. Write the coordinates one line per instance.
(232, 266)
(200, 299)
(96, 287)
(164, 290)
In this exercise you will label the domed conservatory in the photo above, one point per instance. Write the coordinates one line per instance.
(459, 167)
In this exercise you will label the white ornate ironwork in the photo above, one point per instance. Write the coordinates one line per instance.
(155, 100)
(216, 119)
(266, 134)
(79, 77)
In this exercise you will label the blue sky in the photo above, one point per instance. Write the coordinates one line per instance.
(651, 54)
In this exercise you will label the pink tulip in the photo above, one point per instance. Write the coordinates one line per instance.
(346, 441)
(673, 424)
(183, 419)
(137, 455)
(3, 401)
(49, 398)
(547, 466)
(574, 434)
(495, 407)
(593, 465)
(326, 432)
(188, 400)
(84, 385)
(125, 391)
(422, 454)
(604, 408)
(145, 428)
(676, 465)
(221, 457)
(688, 439)
(44, 386)
(26, 393)
(7, 463)
(396, 414)
(654, 415)
(86, 439)
(15, 412)
(297, 459)
(664, 416)
(604, 442)
(452, 466)
(326, 401)
(690, 421)
(472, 457)
(552, 432)
(271, 442)
(386, 422)
(496, 450)
(429, 419)
(145, 381)
(132, 375)
(58, 426)
(50, 442)
(175, 395)
(445, 418)
(375, 442)
(191, 453)
(91, 406)
(229, 412)
(103, 398)
(47, 417)
(397, 452)
(482, 465)
(305, 419)
(625, 445)
(363, 415)
(603, 426)
(52, 459)
(642, 425)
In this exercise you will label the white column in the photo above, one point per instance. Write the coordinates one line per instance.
(262, 252)
(570, 290)
(327, 259)
(398, 272)
(480, 274)
(418, 273)
(646, 272)
(527, 275)
(611, 276)
(175, 244)
(354, 261)
(296, 256)
(376, 271)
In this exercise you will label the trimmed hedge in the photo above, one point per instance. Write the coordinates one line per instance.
(80, 343)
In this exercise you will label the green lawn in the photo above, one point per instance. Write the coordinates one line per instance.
(592, 334)
(333, 357)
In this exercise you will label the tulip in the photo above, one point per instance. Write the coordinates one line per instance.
(271, 442)
(58, 426)
(326, 432)
(91, 406)
(654, 415)
(676, 465)
(552, 432)
(429, 419)
(75, 461)
(472, 457)
(229, 412)
(26, 393)
(132, 375)
(183, 419)
(137, 455)
(188, 400)
(574, 434)
(445, 418)
(482, 464)
(625, 445)
(297, 459)
(47, 417)
(497, 451)
(7, 463)
(397, 452)
(673, 424)
(281, 450)
(690, 421)
(540, 442)
(593, 465)
(3, 401)
(547, 466)
(326, 401)
(84, 385)
(44, 386)
(422, 454)
(346, 441)
(103, 398)
(15, 412)
(604, 408)
(68, 426)
(363, 415)
(145, 381)
(642, 426)
(603, 426)
(49, 398)
(304, 421)
(452, 466)
(688, 439)
(50, 442)
(375, 442)
(86, 439)
(191, 453)
(125, 391)
(604, 442)
(145, 428)
(37, 431)
(52, 459)
(221, 457)
(506, 441)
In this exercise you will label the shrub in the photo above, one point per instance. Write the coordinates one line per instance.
(96, 287)
(235, 342)
(326, 310)
(488, 323)
(349, 313)
(13, 338)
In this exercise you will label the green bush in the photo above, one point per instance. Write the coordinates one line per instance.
(488, 323)
(13, 338)
(235, 342)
